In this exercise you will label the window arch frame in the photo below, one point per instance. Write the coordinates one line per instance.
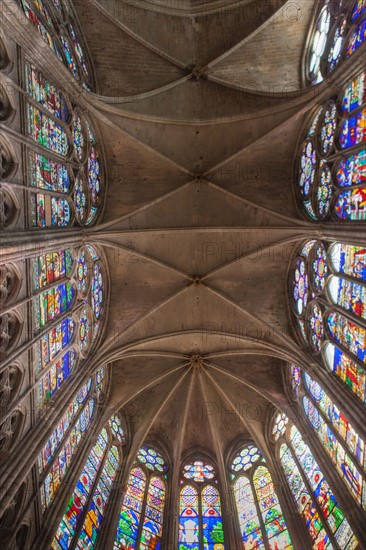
(86, 175)
(199, 487)
(149, 476)
(249, 474)
(307, 202)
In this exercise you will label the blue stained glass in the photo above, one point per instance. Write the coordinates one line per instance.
(353, 130)
(351, 205)
(359, 9)
(45, 131)
(357, 39)
(352, 170)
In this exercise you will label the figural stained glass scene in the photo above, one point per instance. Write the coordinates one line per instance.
(182, 275)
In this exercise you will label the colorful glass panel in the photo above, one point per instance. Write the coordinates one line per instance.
(78, 49)
(83, 272)
(94, 517)
(117, 429)
(319, 268)
(354, 94)
(50, 346)
(212, 530)
(151, 459)
(316, 327)
(353, 130)
(359, 9)
(318, 45)
(348, 259)
(45, 131)
(81, 200)
(328, 128)
(353, 376)
(36, 22)
(79, 137)
(152, 528)
(324, 191)
(189, 519)
(62, 461)
(50, 304)
(94, 176)
(350, 295)
(199, 471)
(47, 211)
(304, 501)
(327, 502)
(279, 426)
(97, 290)
(44, 93)
(351, 205)
(75, 508)
(51, 267)
(270, 508)
(295, 373)
(48, 174)
(357, 39)
(348, 334)
(70, 60)
(352, 170)
(55, 377)
(99, 382)
(337, 44)
(245, 459)
(300, 286)
(250, 528)
(307, 168)
(129, 519)
(85, 330)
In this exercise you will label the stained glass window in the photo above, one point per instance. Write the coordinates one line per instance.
(328, 41)
(341, 441)
(324, 171)
(81, 523)
(324, 519)
(261, 520)
(329, 298)
(64, 193)
(67, 41)
(141, 518)
(200, 519)
(55, 352)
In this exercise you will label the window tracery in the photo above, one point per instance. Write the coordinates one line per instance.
(57, 352)
(9, 284)
(340, 29)
(328, 302)
(81, 523)
(55, 23)
(66, 190)
(261, 520)
(61, 448)
(200, 520)
(340, 439)
(140, 523)
(332, 163)
(324, 519)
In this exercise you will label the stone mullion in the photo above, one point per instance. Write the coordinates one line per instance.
(347, 401)
(234, 515)
(355, 515)
(295, 524)
(15, 471)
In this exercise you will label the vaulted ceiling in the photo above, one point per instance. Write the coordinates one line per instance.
(200, 107)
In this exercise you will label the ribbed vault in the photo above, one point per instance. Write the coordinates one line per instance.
(201, 123)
